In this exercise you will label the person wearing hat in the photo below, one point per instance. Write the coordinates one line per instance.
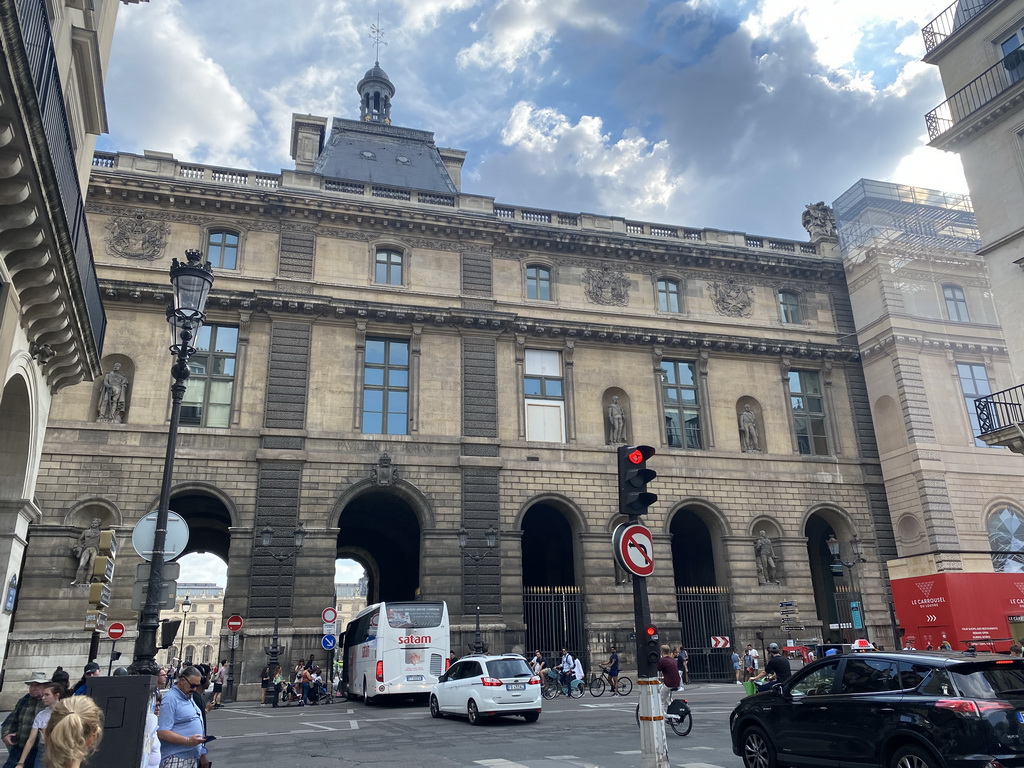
(778, 663)
(92, 669)
(17, 727)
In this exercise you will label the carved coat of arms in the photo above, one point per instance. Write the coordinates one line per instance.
(384, 473)
(607, 286)
(732, 299)
(133, 237)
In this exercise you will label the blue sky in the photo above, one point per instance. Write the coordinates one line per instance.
(731, 114)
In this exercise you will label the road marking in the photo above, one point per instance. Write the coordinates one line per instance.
(697, 765)
(696, 748)
(499, 763)
(317, 725)
(629, 752)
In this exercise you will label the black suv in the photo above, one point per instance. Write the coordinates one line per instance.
(894, 710)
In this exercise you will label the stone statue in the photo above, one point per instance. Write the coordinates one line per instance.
(748, 431)
(765, 554)
(112, 396)
(616, 422)
(85, 550)
(819, 220)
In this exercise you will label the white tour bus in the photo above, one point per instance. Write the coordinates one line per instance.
(395, 648)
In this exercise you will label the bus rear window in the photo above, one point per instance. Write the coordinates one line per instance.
(415, 615)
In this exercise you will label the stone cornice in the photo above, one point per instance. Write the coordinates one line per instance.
(925, 343)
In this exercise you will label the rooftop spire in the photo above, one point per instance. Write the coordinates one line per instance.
(376, 89)
(377, 35)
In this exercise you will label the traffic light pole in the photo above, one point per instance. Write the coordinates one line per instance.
(653, 742)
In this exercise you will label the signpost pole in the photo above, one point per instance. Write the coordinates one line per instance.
(113, 650)
(229, 694)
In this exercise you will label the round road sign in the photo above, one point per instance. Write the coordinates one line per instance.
(174, 543)
(115, 630)
(329, 615)
(329, 642)
(234, 622)
(634, 549)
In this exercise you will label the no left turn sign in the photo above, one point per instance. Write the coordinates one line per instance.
(634, 549)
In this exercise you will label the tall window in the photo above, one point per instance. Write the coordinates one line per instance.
(789, 307)
(207, 401)
(808, 412)
(545, 401)
(191, 627)
(1006, 537)
(956, 303)
(668, 295)
(209, 628)
(388, 268)
(682, 406)
(973, 383)
(386, 387)
(222, 249)
(538, 282)
(1013, 56)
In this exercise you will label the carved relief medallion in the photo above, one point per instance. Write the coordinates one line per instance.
(384, 473)
(607, 286)
(135, 237)
(732, 299)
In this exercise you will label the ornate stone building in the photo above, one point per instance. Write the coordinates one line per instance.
(53, 55)
(390, 361)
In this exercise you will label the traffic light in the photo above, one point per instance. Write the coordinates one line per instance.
(168, 632)
(651, 644)
(633, 479)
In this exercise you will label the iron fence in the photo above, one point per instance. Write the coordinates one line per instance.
(706, 612)
(950, 20)
(554, 618)
(976, 94)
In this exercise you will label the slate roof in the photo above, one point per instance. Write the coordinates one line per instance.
(383, 154)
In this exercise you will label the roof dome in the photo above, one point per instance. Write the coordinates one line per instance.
(376, 73)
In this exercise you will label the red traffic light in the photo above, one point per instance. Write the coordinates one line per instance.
(651, 631)
(636, 457)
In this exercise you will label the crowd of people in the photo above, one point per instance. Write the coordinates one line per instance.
(306, 685)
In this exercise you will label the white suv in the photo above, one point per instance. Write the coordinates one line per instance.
(480, 686)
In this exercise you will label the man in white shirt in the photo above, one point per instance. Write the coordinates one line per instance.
(566, 667)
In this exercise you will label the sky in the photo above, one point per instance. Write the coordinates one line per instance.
(729, 114)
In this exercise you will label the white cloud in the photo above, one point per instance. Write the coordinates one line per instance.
(932, 169)
(420, 15)
(202, 568)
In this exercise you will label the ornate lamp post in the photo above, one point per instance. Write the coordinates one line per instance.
(281, 555)
(857, 548)
(186, 606)
(192, 282)
(491, 537)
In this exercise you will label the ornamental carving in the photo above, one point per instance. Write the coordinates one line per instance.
(135, 237)
(608, 286)
(384, 473)
(732, 299)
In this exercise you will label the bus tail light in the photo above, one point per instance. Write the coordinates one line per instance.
(380, 671)
(491, 682)
(534, 680)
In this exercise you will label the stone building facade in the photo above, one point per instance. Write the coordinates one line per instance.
(389, 360)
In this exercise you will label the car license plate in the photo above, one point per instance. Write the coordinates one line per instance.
(414, 678)
(515, 686)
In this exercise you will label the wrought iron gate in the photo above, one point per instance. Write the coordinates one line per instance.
(705, 612)
(554, 620)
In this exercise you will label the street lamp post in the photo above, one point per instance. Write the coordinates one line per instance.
(857, 548)
(186, 606)
(266, 539)
(192, 282)
(491, 537)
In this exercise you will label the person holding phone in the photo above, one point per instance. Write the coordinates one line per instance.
(180, 726)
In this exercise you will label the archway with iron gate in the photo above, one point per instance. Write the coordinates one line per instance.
(553, 606)
(703, 605)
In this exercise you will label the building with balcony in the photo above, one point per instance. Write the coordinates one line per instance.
(931, 343)
(52, 60)
(978, 46)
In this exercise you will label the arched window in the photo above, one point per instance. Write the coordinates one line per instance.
(668, 295)
(1006, 539)
(538, 282)
(388, 267)
(789, 307)
(956, 303)
(222, 249)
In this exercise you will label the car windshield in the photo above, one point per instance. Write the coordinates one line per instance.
(502, 668)
(989, 679)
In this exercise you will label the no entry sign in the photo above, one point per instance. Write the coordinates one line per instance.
(234, 622)
(634, 549)
(115, 630)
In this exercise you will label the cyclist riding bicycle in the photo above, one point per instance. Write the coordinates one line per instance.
(668, 671)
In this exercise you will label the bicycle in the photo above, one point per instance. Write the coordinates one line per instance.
(599, 682)
(553, 687)
(678, 716)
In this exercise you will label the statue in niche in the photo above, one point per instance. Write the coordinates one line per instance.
(748, 431)
(113, 393)
(85, 550)
(616, 422)
(764, 552)
(819, 220)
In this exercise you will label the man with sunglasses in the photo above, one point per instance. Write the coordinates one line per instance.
(180, 726)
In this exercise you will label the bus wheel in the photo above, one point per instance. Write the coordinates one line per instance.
(367, 699)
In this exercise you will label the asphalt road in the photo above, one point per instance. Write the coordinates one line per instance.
(584, 733)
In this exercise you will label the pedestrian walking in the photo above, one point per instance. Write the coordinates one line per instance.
(74, 732)
(17, 725)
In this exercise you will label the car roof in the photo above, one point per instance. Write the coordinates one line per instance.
(943, 658)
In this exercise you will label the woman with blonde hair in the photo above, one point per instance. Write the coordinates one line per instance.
(73, 732)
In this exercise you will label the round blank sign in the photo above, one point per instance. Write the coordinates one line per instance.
(174, 544)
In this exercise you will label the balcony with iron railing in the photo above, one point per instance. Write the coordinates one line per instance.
(950, 20)
(980, 92)
(1001, 418)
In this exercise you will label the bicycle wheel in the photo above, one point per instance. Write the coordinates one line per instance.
(624, 686)
(597, 686)
(549, 691)
(576, 691)
(683, 725)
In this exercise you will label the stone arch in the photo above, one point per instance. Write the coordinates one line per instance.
(709, 512)
(624, 403)
(370, 567)
(890, 430)
(759, 423)
(199, 487)
(698, 528)
(771, 527)
(17, 436)
(82, 512)
(820, 521)
(550, 525)
(210, 514)
(402, 489)
(577, 519)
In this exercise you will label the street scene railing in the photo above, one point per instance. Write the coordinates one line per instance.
(1000, 410)
(950, 20)
(976, 94)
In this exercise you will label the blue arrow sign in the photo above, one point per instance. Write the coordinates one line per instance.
(329, 642)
